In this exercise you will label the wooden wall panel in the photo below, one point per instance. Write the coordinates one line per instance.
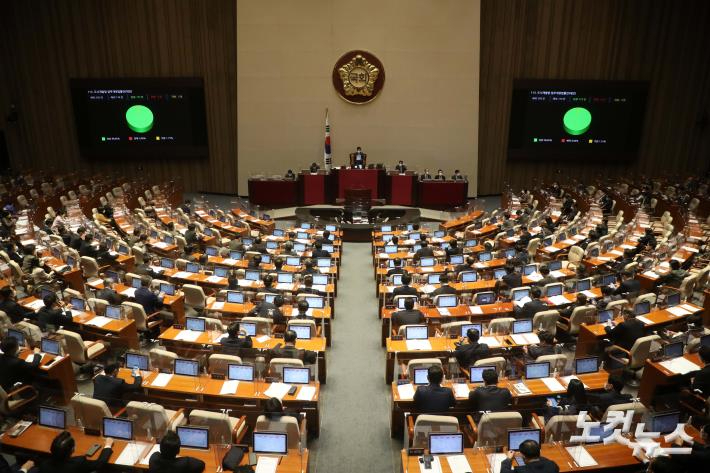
(44, 43)
(661, 41)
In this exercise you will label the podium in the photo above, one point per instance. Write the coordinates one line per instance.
(360, 179)
(442, 194)
(401, 188)
(312, 187)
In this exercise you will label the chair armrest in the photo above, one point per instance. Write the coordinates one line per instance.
(537, 423)
(21, 402)
(617, 347)
(410, 429)
(21, 389)
(235, 432)
(152, 316)
(177, 414)
(403, 374)
(119, 412)
(474, 429)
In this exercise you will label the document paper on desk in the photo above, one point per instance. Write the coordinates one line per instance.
(567, 379)
(557, 274)
(267, 464)
(229, 387)
(217, 305)
(98, 321)
(36, 305)
(458, 464)
(490, 341)
(679, 365)
(405, 391)
(558, 300)
(277, 390)
(131, 453)
(495, 459)
(461, 390)
(443, 311)
(214, 279)
(475, 309)
(162, 380)
(129, 292)
(435, 465)
(553, 384)
(581, 456)
(651, 274)
(590, 294)
(156, 448)
(644, 320)
(182, 275)
(525, 338)
(306, 393)
(678, 311)
(418, 345)
(188, 335)
(689, 308)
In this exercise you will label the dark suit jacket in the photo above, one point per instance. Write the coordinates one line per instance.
(433, 398)
(542, 465)
(608, 398)
(404, 291)
(158, 464)
(445, 289)
(150, 302)
(78, 464)
(111, 389)
(468, 353)
(428, 251)
(538, 350)
(490, 398)
(109, 295)
(320, 254)
(408, 317)
(15, 311)
(236, 343)
(628, 286)
(626, 333)
(87, 249)
(75, 241)
(269, 310)
(513, 280)
(529, 309)
(392, 271)
(701, 380)
(56, 317)
(15, 369)
(292, 352)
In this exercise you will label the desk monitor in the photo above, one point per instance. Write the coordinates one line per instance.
(194, 437)
(485, 256)
(470, 243)
(112, 275)
(420, 376)
(469, 276)
(187, 367)
(476, 373)
(192, 267)
(509, 253)
(324, 262)
(270, 443)
(167, 263)
(328, 247)
(154, 234)
(278, 232)
(293, 375)
(390, 263)
(555, 265)
(299, 247)
(387, 237)
(331, 228)
(302, 236)
(212, 251)
(122, 249)
(594, 252)
(643, 307)
(71, 261)
(439, 234)
(113, 312)
(416, 332)
(52, 417)
(167, 288)
(195, 324)
(510, 232)
(386, 228)
(446, 443)
(266, 259)
(235, 297)
(427, 261)
(303, 332)
(562, 236)
(401, 300)
(548, 241)
(252, 274)
(415, 236)
(519, 294)
(168, 240)
(605, 316)
(456, 259)
(320, 279)
(235, 255)
(586, 365)
(665, 422)
(118, 428)
(608, 279)
(240, 372)
(315, 302)
(670, 350)
(305, 226)
(537, 370)
(499, 273)
(248, 327)
(433, 278)
(221, 271)
(518, 436)
(269, 297)
(293, 261)
(485, 298)
(136, 283)
(137, 360)
(555, 290)
(446, 301)
(529, 269)
(523, 326)
(704, 340)
(17, 335)
(272, 245)
(77, 303)
(466, 327)
(284, 278)
(673, 299)
(390, 249)
(583, 285)
(247, 241)
(397, 279)
(207, 231)
(51, 346)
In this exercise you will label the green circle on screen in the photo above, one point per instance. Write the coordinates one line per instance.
(577, 120)
(139, 118)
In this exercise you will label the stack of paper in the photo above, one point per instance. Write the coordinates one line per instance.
(285, 286)
(569, 241)
(157, 269)
(77, 313)
(162, 380)
(525, 338)
(229, 387)
(522, 388)
(492, 342)
(553, 384)
(627, 247)
(522, 301)
(458, 464)
(182, 275)
(306, 393)
(160, 244)
(495, 459)
(129, 292)
(418, 345)
(567, 379)
(644, 320)
(678, 311)
(551, 249)
(98, 321)
(188, 335)
(581, 456)
(214, 279)
(590, 294)
(689, 308)
(229, 261)
(475, 309)
(132, 452)
(461, 390)
(679, 365)
(146, 458)
(36, 304)
(217, 305)
(558, 300)
(277, 390)
(444, 311)
(427, 288)
(651, 274)
(406, 391)
(557, 274)
(31, 357)
(535, 277)
(266, 464)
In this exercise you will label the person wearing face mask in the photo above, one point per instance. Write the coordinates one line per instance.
(359, 158)
(425, 176)
(440, 175)
(400, 167)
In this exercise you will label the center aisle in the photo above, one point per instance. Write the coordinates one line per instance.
(355, 403)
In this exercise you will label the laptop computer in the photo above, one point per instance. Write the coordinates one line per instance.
(240, 372)
(303, 332)
(466, 327)
(586, 365)
(51, 346)
(449, 443)
(537, 370)
(446, 301)
(195, 324)
(523, 326)
(476, 373)
(121, 429)
(187, 367)
(292, 375)
(194, 437)
(235, 297)
(518, 436)
(468, 276)
(416, 332)
(248, 327)
(137, 360)
(52, 417)
(270, 443)
(670, 350)
(113, 312)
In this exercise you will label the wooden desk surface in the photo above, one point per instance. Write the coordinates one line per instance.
(461, 310)
(82, 318)
(462, 220)
(243, 309)
(212, 338)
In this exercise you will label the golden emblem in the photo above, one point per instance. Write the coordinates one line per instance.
(358, 76)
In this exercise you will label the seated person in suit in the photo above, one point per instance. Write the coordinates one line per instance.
(530, 451)
(393, 242)
(512, 278)
(144, 296)
(468, 353)
(457, 176)
(580, 301)
(532, 307)
(314, 168)
(268, 281)
(318, 251)
(400, 167)
(433, 397)
(290, 175)
(104, 257)
(453, 249)
(408, 316)
(309, 267)
(629, 285)
(465, 266)
(307, 287)
(627, 332)
(359, 159)
(425, 176)
(110, 388)
(52, 313)
(545, 347)
(627, 258)
(647, 240)
(440, 176)
(289, 350)
(108, 294)
(12, 309)
(574, 401)
(87, 247)
(14, 369)
(397, 262)
(701, 379)
(167, 460)
(62, 461)
(302, 308)
(324, 239)
(489, 397)
(405, 289)
(547, 278)
(525, 237)
(234, 338)
(699, 457)
(425, 250)
(611, 395)
(270, 310)
(445, 287)
(607, 297)
(278, 264)
(675, 277)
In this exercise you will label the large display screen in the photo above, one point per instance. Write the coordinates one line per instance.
(145, 117)
(576, 119)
